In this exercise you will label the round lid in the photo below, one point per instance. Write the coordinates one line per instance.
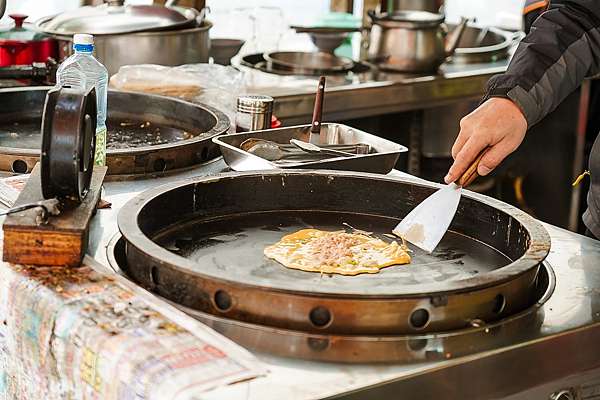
(19, 33)
(412, 19)
(115, 18)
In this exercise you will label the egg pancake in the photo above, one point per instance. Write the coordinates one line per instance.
(336, 252)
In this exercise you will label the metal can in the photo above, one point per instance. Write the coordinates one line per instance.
(253, 113)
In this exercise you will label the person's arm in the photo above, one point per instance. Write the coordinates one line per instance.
(562, 48)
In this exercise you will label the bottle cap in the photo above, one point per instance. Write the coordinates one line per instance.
(83, 38)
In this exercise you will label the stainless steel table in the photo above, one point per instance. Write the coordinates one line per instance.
(565, 354)
(371, 93)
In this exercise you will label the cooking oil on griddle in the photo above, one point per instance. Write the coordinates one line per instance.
(122, 134)
(234, 245)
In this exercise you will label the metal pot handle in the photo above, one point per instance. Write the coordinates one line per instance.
(199, 15)
(454, 39)
(202, 15)
(373, 15)
(518, 36)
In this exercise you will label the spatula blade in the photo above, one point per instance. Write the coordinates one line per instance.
(427, 223)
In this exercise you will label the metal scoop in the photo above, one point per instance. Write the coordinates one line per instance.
(427, 223)
(266, 149)
(273, 151)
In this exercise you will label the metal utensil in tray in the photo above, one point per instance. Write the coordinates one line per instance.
(272, 151)
(382, 159)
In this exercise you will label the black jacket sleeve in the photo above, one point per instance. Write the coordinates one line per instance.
(562, 48)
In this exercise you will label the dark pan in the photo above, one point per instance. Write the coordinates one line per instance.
(376, 348)
(200, 243)
(146, 133)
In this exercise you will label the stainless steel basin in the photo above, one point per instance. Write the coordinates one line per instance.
(484, 44)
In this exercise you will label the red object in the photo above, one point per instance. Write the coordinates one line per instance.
(21, 46)
(275, 123)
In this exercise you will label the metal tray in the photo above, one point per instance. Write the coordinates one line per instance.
(382, 160)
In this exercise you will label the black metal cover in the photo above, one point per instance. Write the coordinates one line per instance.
(68, 143)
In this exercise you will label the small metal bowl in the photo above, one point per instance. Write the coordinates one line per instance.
(328, 42)
(223, 50)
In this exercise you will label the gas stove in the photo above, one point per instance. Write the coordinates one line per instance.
(257, 61)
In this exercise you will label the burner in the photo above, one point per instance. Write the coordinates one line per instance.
(258, 61)
(199, 243)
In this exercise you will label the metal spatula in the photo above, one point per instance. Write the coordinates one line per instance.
(427, 223)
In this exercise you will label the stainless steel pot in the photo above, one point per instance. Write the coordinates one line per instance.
(185, 46)
(2, 7)
(411, 41)
(127, 35)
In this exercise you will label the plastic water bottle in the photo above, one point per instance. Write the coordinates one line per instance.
(82, 71)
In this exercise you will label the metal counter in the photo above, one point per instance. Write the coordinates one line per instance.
(565, 354)
(371, 93)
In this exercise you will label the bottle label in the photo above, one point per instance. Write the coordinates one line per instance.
(100, 154)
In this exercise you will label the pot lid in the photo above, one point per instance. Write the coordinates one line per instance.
(409, 18)
(114, 18)
(19, 33)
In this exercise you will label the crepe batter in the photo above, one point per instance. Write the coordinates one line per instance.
(336, 252)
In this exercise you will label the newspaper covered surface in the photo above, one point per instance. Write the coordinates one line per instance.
(10, 188)
(89, 333)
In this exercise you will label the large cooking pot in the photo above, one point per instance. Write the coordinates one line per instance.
(185, 46)
(411, 41)
(22, 46)
(134, 34)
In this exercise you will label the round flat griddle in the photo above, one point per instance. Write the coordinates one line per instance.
(200, 244)
(375, 348)
(147, 134)
(234, 246)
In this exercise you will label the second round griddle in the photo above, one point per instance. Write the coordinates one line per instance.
(122, 134)
(147, 134)
(199, 242)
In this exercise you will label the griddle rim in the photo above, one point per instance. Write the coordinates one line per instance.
(257, 336)
(536, 252)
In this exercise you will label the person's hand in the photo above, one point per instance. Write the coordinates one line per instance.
(498, 124)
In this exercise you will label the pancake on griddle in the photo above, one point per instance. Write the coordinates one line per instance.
(336, 252)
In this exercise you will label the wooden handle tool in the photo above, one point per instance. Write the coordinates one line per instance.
(471, 173)
(318, 110)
